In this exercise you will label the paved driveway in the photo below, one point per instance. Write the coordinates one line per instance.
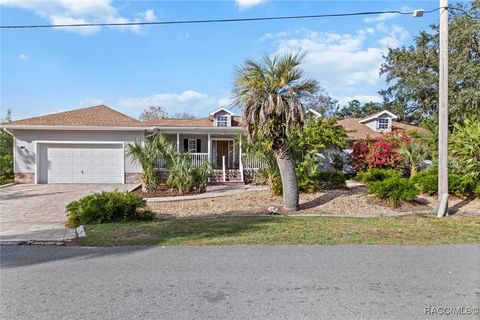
(37, 212)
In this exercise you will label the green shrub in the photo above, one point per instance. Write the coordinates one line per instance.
(5, 180)
(426, 181)
(476, 191)
(394, 189)
(6, 166)
(331, 180)
(107, 207)
(377, 175)
(458, 185)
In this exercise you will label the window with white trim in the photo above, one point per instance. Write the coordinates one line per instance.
(382, 123)
(192, 145)
(222, 121)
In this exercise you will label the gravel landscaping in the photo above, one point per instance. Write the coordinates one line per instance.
(344, 202)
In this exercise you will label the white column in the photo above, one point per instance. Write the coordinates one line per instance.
(233, 156)
(224, 172)
(209, 149)
(240, 163)
(178, 142)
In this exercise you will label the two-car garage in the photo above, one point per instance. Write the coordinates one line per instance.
(80, 162)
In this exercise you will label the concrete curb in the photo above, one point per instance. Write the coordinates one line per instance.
(7, 185)
(31, 243)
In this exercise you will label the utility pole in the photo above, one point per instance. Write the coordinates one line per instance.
(443, 112)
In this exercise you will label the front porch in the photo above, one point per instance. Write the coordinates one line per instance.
(223, 152)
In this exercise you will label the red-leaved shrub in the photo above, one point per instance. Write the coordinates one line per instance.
(381, 153)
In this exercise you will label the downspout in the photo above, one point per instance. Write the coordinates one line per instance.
(155, 131)
(10, 133)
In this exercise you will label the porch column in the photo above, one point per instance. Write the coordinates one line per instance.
(209, 149)
(240, 162)
(178, 142)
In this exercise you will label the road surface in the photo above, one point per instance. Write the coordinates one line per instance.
(259, 282)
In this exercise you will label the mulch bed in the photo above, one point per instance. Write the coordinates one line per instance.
(162, 191)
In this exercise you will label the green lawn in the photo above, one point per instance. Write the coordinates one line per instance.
(419, 230)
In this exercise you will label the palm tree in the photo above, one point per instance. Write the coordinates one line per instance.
(148, 153)
(412, 156)
(270, 91)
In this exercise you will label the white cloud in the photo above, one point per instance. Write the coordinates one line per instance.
(362, 98)
(247, 4)
(23, 56)
(380, 18)
(148, 16)
(189, 100)
(79, 12)
(225, 102)
(345, 64)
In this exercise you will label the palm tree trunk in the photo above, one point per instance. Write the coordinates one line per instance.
(289, 178)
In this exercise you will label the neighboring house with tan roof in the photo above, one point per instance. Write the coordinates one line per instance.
(89, 145)
(371, 127)
(374, 126)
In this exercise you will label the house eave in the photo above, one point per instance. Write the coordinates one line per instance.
(73, 128)
(199, 129)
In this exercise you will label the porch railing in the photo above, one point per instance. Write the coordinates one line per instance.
(197, 159)
(252, 162)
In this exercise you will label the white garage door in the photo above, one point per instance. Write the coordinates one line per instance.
(81, 163)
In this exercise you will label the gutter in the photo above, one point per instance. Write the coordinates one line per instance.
(10, 133)
(89, 128)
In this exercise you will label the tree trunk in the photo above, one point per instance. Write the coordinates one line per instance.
(289, 179)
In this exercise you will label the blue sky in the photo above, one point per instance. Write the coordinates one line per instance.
(186, 67)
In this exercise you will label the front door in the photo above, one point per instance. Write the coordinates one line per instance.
(222, 151)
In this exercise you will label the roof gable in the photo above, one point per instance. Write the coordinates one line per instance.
(377, 115)
(222, 109)
(97, 116)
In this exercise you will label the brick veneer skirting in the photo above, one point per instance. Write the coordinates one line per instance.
(131, 178)
(24, 177)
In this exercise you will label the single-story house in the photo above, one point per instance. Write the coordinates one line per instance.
(89, 145)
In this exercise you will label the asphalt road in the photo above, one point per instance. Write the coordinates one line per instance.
(279, 282)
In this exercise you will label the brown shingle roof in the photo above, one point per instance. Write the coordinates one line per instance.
(201, 122)
(358, 131)
(97, 116)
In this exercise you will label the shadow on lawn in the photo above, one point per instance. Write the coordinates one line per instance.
(184, 230)
(456, 207)
(330, 195)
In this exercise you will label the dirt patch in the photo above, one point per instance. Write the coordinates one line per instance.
(162, 191)
(350, 202)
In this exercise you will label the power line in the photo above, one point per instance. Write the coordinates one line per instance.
(210, 20)
(465, 12)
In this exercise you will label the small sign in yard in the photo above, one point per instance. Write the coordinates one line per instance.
(81, 231)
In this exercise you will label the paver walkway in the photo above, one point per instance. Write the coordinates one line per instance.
(37, 212)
